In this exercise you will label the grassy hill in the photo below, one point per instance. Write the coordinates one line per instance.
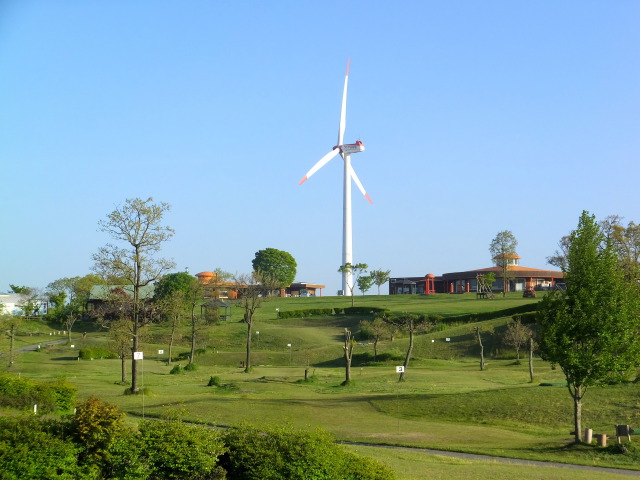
(445, 403)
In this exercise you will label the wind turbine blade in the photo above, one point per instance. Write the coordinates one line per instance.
(343, 110)
(358, 183)
(321, 163)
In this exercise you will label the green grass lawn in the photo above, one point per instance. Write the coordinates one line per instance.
(445, 403)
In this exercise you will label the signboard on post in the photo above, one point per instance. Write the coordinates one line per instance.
(400, 369)
(137, 355)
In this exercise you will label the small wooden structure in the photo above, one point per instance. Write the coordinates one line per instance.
(484, 288)
(623, 431)
(215, 306)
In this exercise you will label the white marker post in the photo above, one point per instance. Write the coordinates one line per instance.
(140, 356)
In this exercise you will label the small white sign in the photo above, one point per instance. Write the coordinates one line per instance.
(288, 344)
(137, 355)
(448, 339)
(73, 346)
(432, 340)
(160, 352)
(400, 369)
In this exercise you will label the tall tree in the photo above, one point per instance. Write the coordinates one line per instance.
(591, 329)
(357, 271)
(276, 267)
(138, 225)
(380, 277)
(503, 249)
(250, 290)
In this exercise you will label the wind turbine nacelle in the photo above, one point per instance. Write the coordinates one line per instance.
(349, 148)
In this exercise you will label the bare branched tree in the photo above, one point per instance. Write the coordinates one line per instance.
(138, 227)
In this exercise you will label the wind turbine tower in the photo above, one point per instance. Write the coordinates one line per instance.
(345, 151)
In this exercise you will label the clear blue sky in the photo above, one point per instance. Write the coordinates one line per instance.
(476, 116)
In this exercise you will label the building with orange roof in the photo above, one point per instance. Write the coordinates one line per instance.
(520, 279)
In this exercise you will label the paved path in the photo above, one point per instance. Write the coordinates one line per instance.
(33, 348)
(512, 461)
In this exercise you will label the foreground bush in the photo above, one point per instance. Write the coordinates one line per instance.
(31, 449)
(97, 444)
(23, 393)
(280, 454)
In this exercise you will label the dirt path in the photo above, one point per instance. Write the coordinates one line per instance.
(512, 461)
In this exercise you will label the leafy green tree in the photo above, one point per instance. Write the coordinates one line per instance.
(138, 226)
(365, 283)
(502, 249)
(357, 271)
(591, 329)
(190, 296)
(380, 277)
(22, 290)
(276, 267)
(120, 330)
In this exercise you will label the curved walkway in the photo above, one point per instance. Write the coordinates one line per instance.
(512, 461)
(32, 348)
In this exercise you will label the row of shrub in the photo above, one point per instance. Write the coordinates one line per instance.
(310, 312)
(96, 443)
(95, 353)
(482, 316)
(24, 393)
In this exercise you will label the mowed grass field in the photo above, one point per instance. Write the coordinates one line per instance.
(445, 403)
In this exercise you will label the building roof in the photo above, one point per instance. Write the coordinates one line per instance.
(516, 270)
(305, 285)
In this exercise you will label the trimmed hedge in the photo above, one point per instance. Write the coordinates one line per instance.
(482, 316)
(310, 312)
(96, 353)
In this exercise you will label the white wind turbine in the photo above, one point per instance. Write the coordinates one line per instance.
(345, 150)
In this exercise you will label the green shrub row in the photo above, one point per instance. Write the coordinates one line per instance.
(310, 312)
(95, 353)
(482, 316)
(527, 318)
(23, 393)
